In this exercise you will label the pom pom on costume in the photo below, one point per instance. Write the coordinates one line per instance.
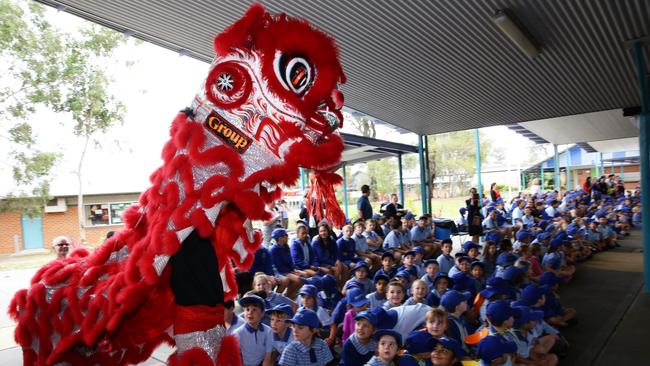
(269, 105)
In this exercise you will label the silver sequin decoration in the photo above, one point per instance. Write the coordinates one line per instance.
(86, 351)
(209, 341)
(118, 256)
(184, 233)
(257, 158)
(159, 262)
(50, 290)
(248, 225)
(222, 274)
(170, 225)
(213, 212)
(35, 343)
(81, 291)
(62, 307)
(202, 173)
(181, 188)
(55, 338)
(181, 152)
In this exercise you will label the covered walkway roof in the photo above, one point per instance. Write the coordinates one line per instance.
(432, 66)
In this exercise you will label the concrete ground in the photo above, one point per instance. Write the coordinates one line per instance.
(613, 312)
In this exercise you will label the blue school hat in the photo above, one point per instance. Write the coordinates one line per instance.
(382, 332)
(490, 209)
(469, 245)
(556, 242)
(277, 233)
(430, 261)
(356, 297)
(352, 283)
(419, 342)
(493, 236)
(377, 216)
(453, 298)
(550, 228)
(386, 319)
(496, 286)
(462, 210)
(511, 273)
(523, 235)
(387, 254)
(410, 252)
(525, 315)
(506, 259)
(305, 317)
(494, 346)
(450, 344)
(409, 216)
(404, 274)
(477, 263)
(550, 279)
(543, 236)
(369, 316)
(315, 281)
(499, 311)
(282, 308)
(308, 290)
(359, 265)
(444, 275)
(251, 300)
(380, 276)
(418, 250)
(463, 282)
(329, 283)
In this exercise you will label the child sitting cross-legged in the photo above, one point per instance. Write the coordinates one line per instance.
(359, 348)
(282, 333)
(526, 339)
(254, 337)
(307, 349)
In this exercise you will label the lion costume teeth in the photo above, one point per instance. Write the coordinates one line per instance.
(269, 105)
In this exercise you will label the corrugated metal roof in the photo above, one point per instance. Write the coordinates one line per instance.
(433, 66)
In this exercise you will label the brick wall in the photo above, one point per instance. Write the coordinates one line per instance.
(10, 226)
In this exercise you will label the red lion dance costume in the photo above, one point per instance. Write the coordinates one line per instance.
(269, 105)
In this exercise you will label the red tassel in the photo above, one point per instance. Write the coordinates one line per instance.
(321, 192)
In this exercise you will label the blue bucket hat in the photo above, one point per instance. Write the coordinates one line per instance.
(377, 217)
(453, 298)
(305, 317)
(550, 279)
(383, 332)
(512, 273)
(469, 245)
(356, 297)
(499, 311)
(523, 235)
(358, 266)
(496, 286)
(329, 283)
(494, 346)
(464, 282)
(409, 216)
(386, 319)
(387, 254)
(527, 314)
(450, 344)
(419, 342)
(493, 236)
(380, 276)
(251, 300)
(308, 290)
(315, 281)
(506, 259)
(444, 275)
(430, 261)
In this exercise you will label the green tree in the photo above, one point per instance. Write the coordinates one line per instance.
(453, 156)
(65, 73)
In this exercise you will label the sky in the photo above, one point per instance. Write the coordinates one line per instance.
(154, 89)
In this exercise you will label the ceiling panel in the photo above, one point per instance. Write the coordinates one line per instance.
(432, 66)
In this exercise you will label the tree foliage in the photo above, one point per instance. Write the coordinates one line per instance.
(46, 68)
(453, 156)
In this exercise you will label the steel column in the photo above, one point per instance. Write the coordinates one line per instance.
(345, 189)
(477, 143)
(427, 170)
(423, 189)
(644, 152)
(302, 181)
(569, 186)
(602, 167)
(401, 179)
(622, 172)
(556, 167)
(541, 173)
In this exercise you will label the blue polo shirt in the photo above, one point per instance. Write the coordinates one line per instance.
(262, 262)
(363, 205)
(280, 343)
(281, 256)
(256, 342)
(552, 259)
(393, 240)
(360, 243)
(302, 254)
(346, 248)
(445, 263)
(325, 255)
(420, 234)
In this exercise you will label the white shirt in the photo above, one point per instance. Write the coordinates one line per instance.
(409, 317)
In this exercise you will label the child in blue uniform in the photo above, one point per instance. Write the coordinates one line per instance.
(359, 348)
(307, 349)
(254, 337)
(378, 297)
(281, 330)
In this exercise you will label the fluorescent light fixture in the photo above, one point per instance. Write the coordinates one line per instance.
(506, 21)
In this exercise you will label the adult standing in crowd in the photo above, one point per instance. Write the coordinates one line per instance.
(61, 246)
(363, 204)
(270, 225)
(474, 218)
(394, 208)
(587, 185)
(535, 187)
(494, 192)
(283, 209)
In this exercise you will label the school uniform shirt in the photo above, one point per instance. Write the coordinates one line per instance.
(323, 316)
(409, 317)
(375, 300)
(517, 213)
(366, 284)
(445, 263)
(489, 223)
(346, 249)
(407, 359)
(405, 237)
(355, 353)
(256, 343)
(420, 269)
(376, 361)
(420, 234)
(457, 330)
(236, 322)
(393, 240)
(552, 259)
(298, 354)
(429, 281)
(302, 254)
(433, 299)
(280, 343)
(490, 266)
(551, 211)
(326, 256)
(262, 262)
(412, 270)
(411, 301)
(372, 236)
(528, 220)
(281, 257)
(360, 243)
(453, 271)
(390, 274)
(386, 229)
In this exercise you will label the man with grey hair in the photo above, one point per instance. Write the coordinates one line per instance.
(61, 245)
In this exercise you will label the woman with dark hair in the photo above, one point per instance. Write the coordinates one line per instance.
(494, 192)
(474, 217)
(327, 254)
(587, 185)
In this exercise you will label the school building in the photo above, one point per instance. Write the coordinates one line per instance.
(103, 213)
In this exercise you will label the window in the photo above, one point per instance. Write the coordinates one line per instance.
(105, 213)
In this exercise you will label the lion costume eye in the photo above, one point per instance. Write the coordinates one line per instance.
(295, 74)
